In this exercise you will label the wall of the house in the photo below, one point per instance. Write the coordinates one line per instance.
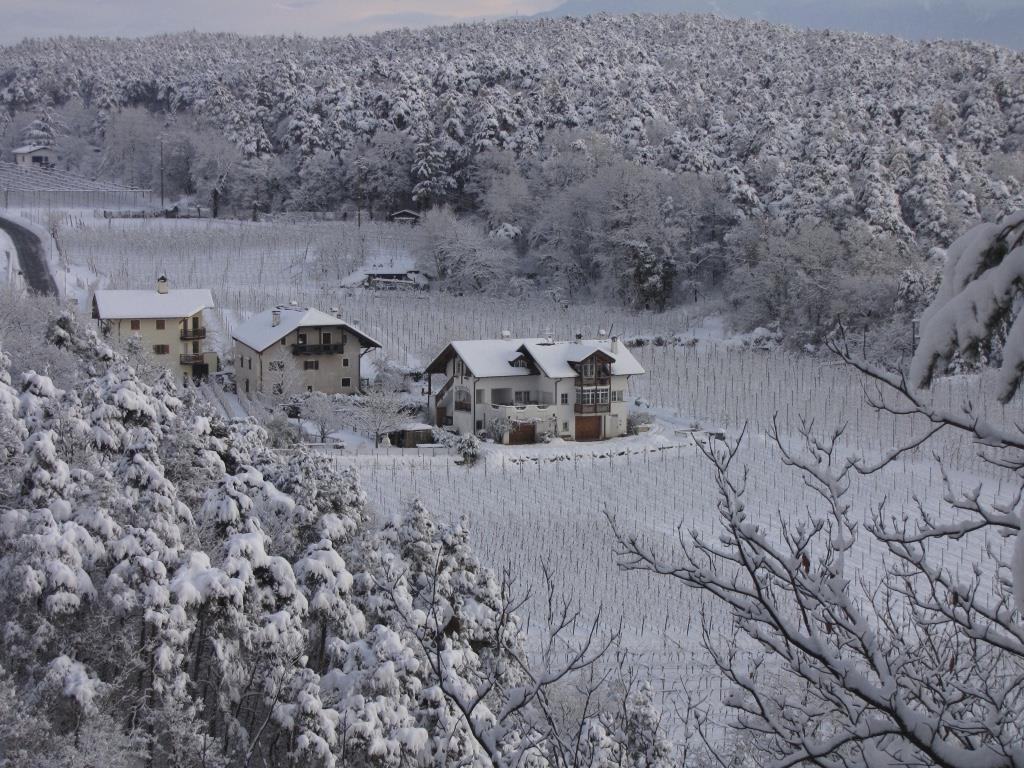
(44, 158)
(254, 367)
(170, 336)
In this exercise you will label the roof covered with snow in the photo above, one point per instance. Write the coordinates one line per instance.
(141, 304)
(259, 331)
(395, 265)
(554, 359)
(491, 358)
(29, 149)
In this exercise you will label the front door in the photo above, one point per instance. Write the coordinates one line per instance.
(442, 413)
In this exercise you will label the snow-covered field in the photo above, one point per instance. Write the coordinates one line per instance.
(545, 506)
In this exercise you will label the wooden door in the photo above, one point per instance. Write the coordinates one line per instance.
(442, 414)
(588, 427)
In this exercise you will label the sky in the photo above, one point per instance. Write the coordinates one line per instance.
(108, 18)
(999, 21)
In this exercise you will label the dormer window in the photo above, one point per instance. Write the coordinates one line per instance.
(588, 369)
(302, 338)
(520, 362)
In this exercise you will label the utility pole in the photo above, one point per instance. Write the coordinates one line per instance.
(161, 172)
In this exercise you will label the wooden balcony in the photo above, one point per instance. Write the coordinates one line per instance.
(594, 408)
(318, 349)
(193, 334)
(195, 358)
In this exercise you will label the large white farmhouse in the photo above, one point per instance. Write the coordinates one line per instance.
(519, 389)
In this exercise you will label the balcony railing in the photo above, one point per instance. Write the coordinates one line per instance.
(317, 349)
(193, 334)
(195, 358)
(593, 407)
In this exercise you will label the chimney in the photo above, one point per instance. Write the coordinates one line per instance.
(615, 344)
(602, 333)
(293, 303)
(275, 317)
(506, 334)
(579, 335)
(161, 284)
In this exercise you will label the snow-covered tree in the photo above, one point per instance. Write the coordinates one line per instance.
(976, 315)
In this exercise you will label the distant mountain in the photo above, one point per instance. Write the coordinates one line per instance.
(994, 21)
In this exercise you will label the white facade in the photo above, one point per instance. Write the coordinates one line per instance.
(577, 391)
(291, 349)
(35, 156)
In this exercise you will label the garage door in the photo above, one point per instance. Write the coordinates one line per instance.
(523, 434)
(588, 427)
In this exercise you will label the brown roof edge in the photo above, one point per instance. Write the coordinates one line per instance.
(438, 364)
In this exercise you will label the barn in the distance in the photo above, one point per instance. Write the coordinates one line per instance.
(35, 156)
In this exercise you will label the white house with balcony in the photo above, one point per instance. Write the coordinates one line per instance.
(517, 390)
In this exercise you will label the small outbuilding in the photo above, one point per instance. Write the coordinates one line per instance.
(412, 435)
(405, 216)
(35, 156)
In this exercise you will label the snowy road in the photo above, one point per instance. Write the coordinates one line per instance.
(32, 258)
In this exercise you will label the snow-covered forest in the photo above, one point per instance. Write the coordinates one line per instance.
(646, 159)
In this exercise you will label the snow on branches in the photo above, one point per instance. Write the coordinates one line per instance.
(977, 312)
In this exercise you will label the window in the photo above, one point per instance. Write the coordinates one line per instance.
(160, 325)
(250, 363)
(463, 401)
(136, 325)
(587, 370)
(617, 396)
(522, 398)
(276, 365)
(460, 368)
(479, 424)
(161, 349)
(593, 395)
(346, 382)
(284, 341)
(325, 338)
(311, 365)
(520, 362)
(302, 338)
(565, 426)
(565, 398)
(344, 362)
(246, 386)
(481, 396)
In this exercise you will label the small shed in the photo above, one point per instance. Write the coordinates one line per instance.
(405, 216)
(411, 435)
(391, 280)
(35, 156)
